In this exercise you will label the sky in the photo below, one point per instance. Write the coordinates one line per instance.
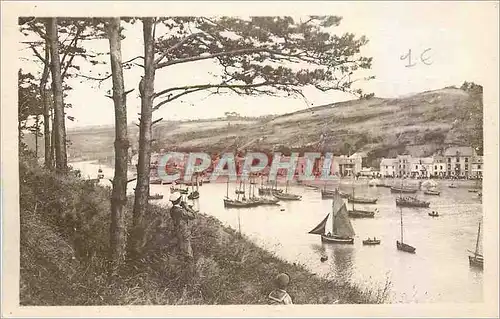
(451, 34)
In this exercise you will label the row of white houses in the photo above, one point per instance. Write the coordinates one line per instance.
(456, 161)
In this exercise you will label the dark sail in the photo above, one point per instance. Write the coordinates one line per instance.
(320, 229)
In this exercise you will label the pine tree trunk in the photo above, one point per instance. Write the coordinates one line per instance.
(46, 108)
(53, 141)
(146, 87)
(119, 194)
(37, 127)
(59, 125)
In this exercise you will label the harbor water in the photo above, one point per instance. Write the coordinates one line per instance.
(439, 271)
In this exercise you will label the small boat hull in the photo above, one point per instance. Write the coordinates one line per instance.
(403, 190)
(433, 215)
(269, 191)
(371, 242)
(472, 190)
(476, 262)
(285, 196)
(428, 192)
(411, 203)
(336, 240)
(361, 214)
(362, 200)
(325, 194)
(405, 247)
(228, 203)
(155, 197)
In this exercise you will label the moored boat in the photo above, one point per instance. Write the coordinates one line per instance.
(371, 242)
(432, 192)
(477, 260)
(328, 194)
(452, 185)
(405, 190)
(286, 195)
(434, 214)
(356, 213)
(361, 200)
(472, 190)
(400, 245)
(234, 203)
(155, 196)
(359, 213)
(405, 247)
(409, 201)
(341, 231)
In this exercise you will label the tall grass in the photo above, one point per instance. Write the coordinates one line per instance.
(65, 241)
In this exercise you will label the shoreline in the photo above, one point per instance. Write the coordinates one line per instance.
(230, 268)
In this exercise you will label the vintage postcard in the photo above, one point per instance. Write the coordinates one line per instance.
(309, 159)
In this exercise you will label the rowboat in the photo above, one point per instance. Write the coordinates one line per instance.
(370, 241)
(404, 190)
(356, 213)
(432, 192)
(361, 200)
(411, 202)
(155, 196)
(434, 214)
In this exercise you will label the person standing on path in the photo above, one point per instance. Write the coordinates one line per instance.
(181, 215)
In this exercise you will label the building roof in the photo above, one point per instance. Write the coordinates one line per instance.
(462, 150)
(388, 161)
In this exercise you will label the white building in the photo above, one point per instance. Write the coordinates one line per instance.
(421, 167)
(388, 167)
(477, 167)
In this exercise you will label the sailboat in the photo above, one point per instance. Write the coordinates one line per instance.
(401, 245)
(268, 190)
(342, 231)
(478, 259)
(286, 195)
(262, 200)
(358, 213)
(236, 203)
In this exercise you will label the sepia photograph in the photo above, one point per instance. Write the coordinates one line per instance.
(275, 154)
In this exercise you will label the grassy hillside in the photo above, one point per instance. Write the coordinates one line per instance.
(65, 241)
(418, 124)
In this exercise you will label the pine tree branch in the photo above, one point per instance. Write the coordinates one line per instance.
(175, 46)
(72, 44)
(38, 55)
(196, 88)
(210, 86)
(211, 56)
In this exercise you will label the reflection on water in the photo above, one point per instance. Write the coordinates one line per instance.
(438, 272)
(341, 260)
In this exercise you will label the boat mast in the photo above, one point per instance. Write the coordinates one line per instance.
(477, 241)
(244, 191)
(401, 210)
(238, 192)
(353, 195)
(227, 188)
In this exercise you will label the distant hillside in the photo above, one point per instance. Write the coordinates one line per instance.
(418, 124)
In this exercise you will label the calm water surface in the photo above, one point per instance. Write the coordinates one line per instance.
(438, 272)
